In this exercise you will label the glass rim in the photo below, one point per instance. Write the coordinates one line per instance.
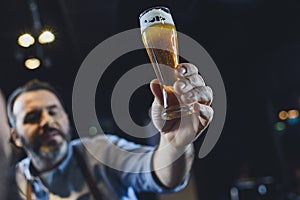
(164, 8)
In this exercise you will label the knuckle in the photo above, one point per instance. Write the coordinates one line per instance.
(209, 90)
(194, 79)
(211, 113)
(210, 110)
(194, 68)
(207, 112)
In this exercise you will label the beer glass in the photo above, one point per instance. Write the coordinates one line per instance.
(160, 40)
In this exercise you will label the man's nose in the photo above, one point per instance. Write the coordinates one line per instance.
(46, 118)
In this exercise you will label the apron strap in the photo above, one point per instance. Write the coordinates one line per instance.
(87, 175)
(28, 191)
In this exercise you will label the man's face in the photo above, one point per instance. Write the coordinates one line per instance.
(42, 125)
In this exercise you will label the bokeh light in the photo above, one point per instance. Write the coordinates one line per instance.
(26, 40)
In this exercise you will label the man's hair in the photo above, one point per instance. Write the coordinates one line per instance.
(32, 85)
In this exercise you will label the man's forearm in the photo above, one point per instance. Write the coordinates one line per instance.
(172, 165)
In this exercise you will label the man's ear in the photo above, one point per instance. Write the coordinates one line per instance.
(16, 137)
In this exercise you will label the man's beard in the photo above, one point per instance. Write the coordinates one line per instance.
(51, 154)
(46, 154)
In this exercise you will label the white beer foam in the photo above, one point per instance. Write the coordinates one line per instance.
(155, 16)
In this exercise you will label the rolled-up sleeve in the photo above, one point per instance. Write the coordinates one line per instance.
(131, 163)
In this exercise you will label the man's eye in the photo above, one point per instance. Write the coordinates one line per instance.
(53, 111)
(32, 117)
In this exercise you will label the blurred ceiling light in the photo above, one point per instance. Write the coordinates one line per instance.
(262, 189)
(292, 121)
(46, 37)
(279, 126)
(293, 114)
(283, 115)
(93, 130)
(32, 63)
(25, 40)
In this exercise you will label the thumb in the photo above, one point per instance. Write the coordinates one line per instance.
(156, 90)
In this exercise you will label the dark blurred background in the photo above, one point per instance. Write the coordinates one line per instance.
(254, 43)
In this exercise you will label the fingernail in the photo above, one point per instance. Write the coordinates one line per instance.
(182, 70)
(181, 85)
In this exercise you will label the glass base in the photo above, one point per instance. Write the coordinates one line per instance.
(173, 113)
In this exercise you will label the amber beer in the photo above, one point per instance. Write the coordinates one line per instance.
(160, 39)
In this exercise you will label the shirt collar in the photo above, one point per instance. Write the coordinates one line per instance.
(62, 167)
